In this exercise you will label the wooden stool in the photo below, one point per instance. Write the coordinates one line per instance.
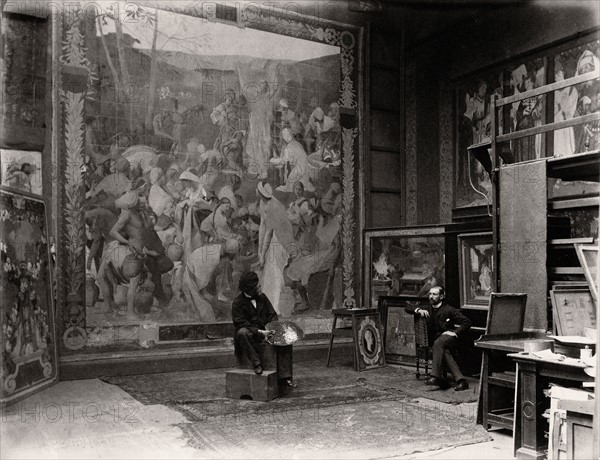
(245, 384)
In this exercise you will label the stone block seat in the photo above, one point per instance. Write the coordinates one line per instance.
(243, 383)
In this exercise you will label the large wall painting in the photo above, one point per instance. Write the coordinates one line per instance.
(474, 94)
(474, 123)
(197, 150)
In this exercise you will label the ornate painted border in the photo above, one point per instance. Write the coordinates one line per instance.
(411, 144)
(446, 153)
(71, 136)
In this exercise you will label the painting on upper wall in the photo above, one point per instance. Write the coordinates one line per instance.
(21, 170)
(472, 183)
(210, 148)
(473, 186)
(578, 100)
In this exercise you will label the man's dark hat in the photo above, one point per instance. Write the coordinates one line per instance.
(248, 281)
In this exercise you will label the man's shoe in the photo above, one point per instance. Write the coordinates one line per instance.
(258, 369)
(461, 385)
(436, 382)
(289, 383)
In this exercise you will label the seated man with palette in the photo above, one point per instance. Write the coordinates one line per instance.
(251, 312)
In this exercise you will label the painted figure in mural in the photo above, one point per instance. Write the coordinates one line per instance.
(178, 117)
(289, 119)
(216, 224)
(127, 234)
(448, 325)
(293, 154)
(588, 62)
(133, 234)
(322, 258)
(141, 157)
(155, 259)
(173, 185)
(251, 311)
(481, 113)
(99, 222)
(112, 186)
(158, 199)
(565, 106)
(225, 116)
(195, 195)
(162, 139)
(589, 137)
(92, 146)
(275, 242)
(528, 112)
(261, 104)
(206, 277)
(322, 127)
(300, 212)
(19, 177)
(229, 188)
(331, 202)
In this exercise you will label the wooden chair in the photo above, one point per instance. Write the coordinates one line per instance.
(424, 351)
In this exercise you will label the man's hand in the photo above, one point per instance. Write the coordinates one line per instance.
(266, 334)
(421, 311)
(453, 334)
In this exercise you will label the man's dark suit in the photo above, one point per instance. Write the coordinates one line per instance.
(245, 316)
(247, 321)
(442, 319)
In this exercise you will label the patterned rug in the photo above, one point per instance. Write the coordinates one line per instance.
(335, 412)
(315, 382)
(366, 430)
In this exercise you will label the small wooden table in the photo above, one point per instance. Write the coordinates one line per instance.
(366, 356)
(533, 376)
(497, 380)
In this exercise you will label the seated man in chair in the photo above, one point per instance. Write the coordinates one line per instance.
(251, 311)
(446, 326)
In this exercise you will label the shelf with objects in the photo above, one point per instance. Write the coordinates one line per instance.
(541, 207)
(544, 210)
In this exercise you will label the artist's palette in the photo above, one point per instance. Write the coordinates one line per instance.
(284, 332)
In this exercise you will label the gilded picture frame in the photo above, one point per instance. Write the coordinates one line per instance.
(402, 262)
